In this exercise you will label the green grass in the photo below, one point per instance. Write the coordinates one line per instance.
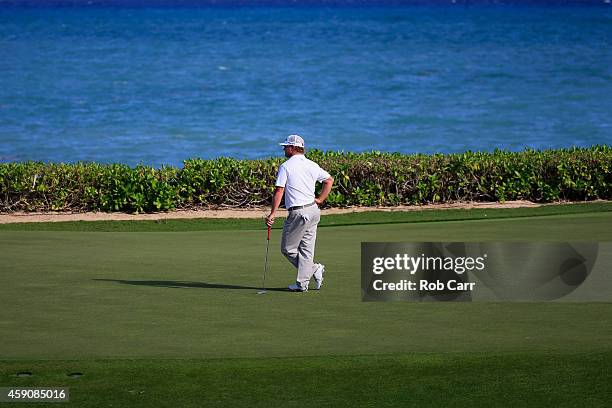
(122, 308)
(401, 380)
(365, 218)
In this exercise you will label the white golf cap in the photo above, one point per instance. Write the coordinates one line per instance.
(293, 140)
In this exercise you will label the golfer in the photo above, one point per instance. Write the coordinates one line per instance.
(296, 180)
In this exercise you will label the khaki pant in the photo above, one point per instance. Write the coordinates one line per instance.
(298, 241)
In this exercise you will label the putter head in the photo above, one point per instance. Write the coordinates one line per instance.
(261, 292)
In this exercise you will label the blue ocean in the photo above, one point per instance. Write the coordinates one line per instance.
(157, 85)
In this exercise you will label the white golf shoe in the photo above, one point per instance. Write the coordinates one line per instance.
(318, 276)
(297, 287)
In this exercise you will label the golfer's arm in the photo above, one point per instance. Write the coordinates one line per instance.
(276, 199)
(327, 186)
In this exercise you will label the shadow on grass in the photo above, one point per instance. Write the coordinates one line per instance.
(182, 284)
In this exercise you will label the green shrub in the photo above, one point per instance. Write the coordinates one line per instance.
(361, 179)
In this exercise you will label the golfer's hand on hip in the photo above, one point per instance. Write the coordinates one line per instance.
(270, 219)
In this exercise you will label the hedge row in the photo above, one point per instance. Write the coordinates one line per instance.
(364, 179)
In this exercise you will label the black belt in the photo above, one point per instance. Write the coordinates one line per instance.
(299, 207)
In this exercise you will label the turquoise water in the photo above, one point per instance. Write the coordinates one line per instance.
(160, 85)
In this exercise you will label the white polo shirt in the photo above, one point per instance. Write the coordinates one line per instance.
(298, 175)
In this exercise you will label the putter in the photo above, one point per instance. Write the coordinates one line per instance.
(263, 284)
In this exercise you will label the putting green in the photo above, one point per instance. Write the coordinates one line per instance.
(87, 295)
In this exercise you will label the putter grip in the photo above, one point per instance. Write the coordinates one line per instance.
(269, 233)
